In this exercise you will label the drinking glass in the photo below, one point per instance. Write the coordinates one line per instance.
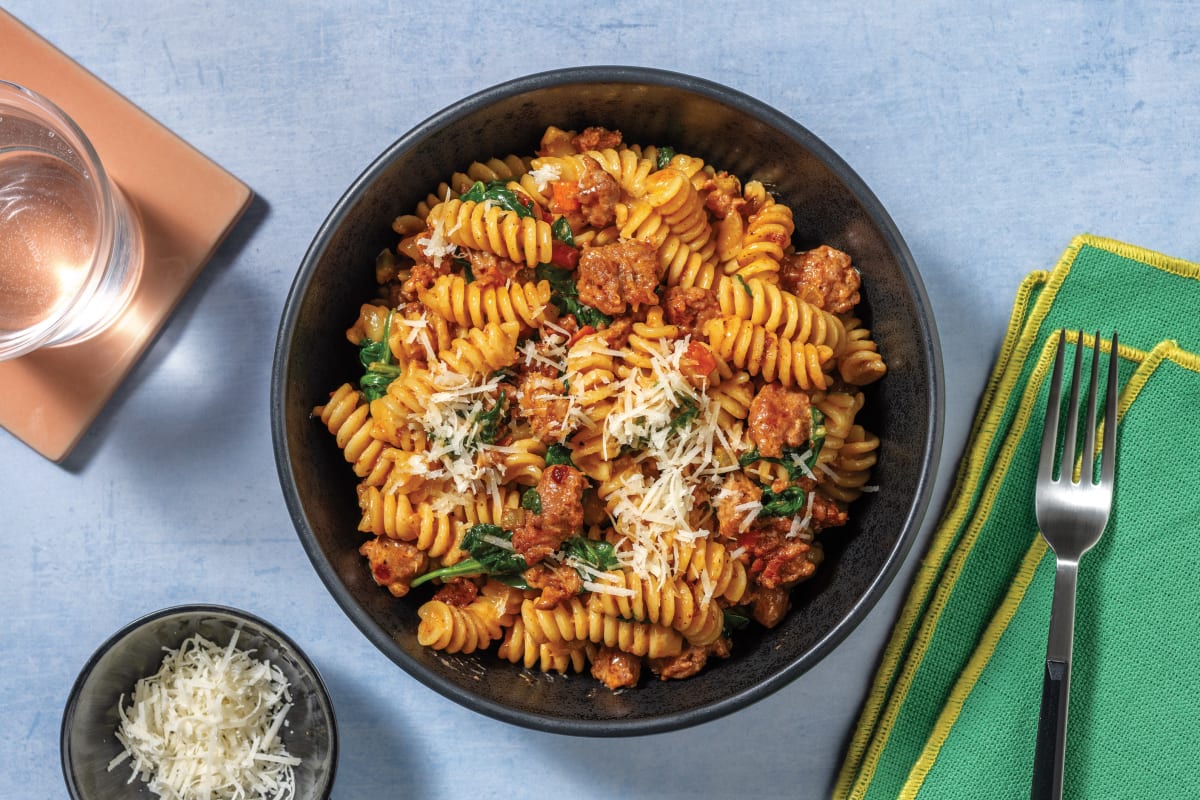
(70, 244)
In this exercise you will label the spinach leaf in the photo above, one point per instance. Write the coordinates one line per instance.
(468, 274)
(735, 619)
(498, 193)
(789, 466)
(787, 503)
(687, 412)
(598, 555)
(559, 454)
(665, 154)
(817, 438)
(486, 557)
(565, 296)
(531, 500)
(562, 231)
(376, 358)
(489, 422)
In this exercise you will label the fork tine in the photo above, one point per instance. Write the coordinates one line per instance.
(1089, 428)
(1066, 467)
(1050, 428)
(1108, 459)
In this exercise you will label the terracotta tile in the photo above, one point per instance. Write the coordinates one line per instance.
(186, 204)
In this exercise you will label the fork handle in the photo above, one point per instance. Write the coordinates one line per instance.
(1049, 754)
(1050, 751)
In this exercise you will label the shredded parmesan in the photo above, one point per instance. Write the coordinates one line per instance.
(206, 725)
(672, 428)
(544, 175)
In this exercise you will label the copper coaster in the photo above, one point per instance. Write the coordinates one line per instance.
(186, 203)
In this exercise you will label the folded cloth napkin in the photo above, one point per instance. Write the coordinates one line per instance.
(952, 711)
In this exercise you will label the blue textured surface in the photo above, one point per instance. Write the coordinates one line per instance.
(992, 135)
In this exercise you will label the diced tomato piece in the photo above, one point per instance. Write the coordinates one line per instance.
(579, 334)
(698, 361)
(564, 196)
(563, 255)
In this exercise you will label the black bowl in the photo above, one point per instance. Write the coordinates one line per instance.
(733, 132)
(91, 717)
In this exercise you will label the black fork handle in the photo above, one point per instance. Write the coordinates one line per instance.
(1049, 754)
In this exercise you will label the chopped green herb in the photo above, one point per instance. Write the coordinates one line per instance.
(531, 500)
(565, 296)
(487, 557)
(498, 193)
(559, 454)
(745, 285)
(665, 154)
(597, 555)
(562, 231)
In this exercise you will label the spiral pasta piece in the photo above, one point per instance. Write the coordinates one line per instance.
(411, 393)
(519, 647)
(762, 303)
(625, 166)
(472, 305)
(733, 397)
(470, 628)
(480, 226)
(844, 478)
(679, 263)
(670, 193)
(571, 621)
(490, 507)
(709, 562)
(523, 461)
(591, 375)
(677, 604)
(394, 515)
(693, 168)
(768, 233)
(483, 350)
(494, 169)
(348, 418)
(761, 352)
(839, 409)
(417, 336)
(859, 362)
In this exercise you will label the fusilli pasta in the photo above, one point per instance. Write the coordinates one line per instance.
(604, 413)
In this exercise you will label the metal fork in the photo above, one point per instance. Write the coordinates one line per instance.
(1072, 517)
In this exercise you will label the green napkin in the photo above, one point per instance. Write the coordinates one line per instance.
(983, 543)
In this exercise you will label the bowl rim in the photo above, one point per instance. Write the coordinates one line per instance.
(181, 610)
(930, 448)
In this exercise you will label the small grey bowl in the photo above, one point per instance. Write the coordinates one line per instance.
(136, 651)
(730, 131)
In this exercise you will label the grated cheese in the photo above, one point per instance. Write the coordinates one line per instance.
(438, 245)
(653, 508)
(544, 175)
(608, 588)
(206, 725)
